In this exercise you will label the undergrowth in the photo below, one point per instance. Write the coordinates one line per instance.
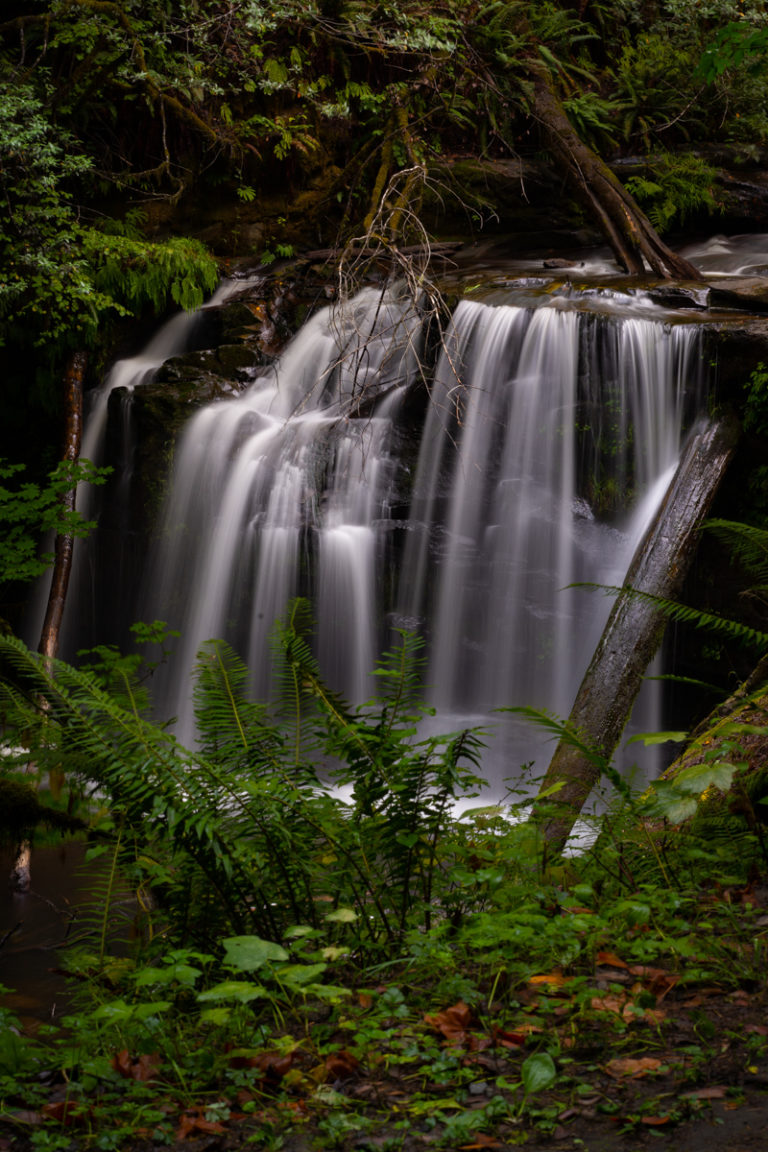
(309, 915)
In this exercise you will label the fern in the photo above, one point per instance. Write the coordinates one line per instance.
(683, 613)
(242, 835)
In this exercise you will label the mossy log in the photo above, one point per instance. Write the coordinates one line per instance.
(632, 237)
(736, 731)
(636, 625)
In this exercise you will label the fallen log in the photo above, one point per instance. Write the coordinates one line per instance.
(635, 627)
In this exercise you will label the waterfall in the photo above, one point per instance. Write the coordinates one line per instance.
(107, 567)
(458, 492)
(281, 493)
(549, 433)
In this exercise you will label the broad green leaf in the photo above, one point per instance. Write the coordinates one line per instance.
(538, 1072)
(670, 803)
(215, 1016)
(650, 738)
(342, 915)
(300, 973)
(247, 953)
(243, 991)
(695, 780)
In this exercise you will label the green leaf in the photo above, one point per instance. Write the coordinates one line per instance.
(243, 991)
(342, 915)
(650, 738)
(538, 1072)
(247, 953)
(695, 780)
(301, 973)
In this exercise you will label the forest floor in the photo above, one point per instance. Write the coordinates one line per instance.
(645, 1057)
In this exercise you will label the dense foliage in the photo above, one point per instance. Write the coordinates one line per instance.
(288, 942)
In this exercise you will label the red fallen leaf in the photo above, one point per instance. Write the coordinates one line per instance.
(508, 1039)
(626, 1066)
(610, 959)
(342, 1065)
(654, 1121)
(141, 1068)
(193, 1121)
(760, 1029)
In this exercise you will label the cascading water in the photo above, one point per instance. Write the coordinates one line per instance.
(549, 430)
(107, 571)
(293, 476)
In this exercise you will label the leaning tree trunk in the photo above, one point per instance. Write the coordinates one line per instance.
(65, 541)
(635, 627)
(625, 226)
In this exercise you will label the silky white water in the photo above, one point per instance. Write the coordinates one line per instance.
(546, 437)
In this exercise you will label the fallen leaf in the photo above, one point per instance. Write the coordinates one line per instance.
(508, 1039)
(193, 1121)
(65, 1111)
(140, 1068)
(610, 959)
(342, 1065)
(452, 1022)
(555, 979)
(654, 1121)
(626, 1066)
(715, 1092)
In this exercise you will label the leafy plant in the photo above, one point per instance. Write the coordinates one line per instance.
(244, 835)
(675, 187)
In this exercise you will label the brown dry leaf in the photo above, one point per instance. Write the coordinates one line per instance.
(654, 1121)
(65, 1111)
(507, 1039)
(364, 999)
(274, 1065)
(193, 1122)
(610, 959)
(342, 1065)
(623, 1006)
(452, 1022)
(140, 1068)
(634, 1069)
(657, 981)
(760, 1029)
(715, 1092)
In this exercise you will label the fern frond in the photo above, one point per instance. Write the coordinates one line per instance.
(683, 613)
(748, 544)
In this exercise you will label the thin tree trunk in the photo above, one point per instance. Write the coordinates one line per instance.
(627, 229)
(20, 877)
(635, 626)
(64, 544)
